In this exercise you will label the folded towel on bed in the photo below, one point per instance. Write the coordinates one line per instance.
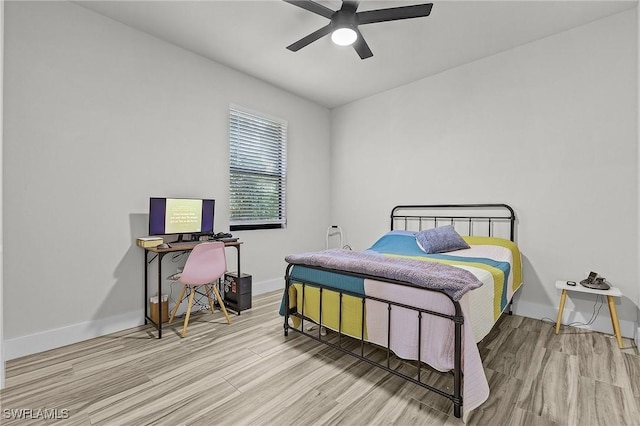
(455, 282)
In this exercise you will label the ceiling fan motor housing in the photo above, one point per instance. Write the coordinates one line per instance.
(344, 19)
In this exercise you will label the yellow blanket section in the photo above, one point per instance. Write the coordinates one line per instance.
(351, 309)
(515, 251)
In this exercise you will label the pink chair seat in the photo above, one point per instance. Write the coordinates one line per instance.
(205, 265)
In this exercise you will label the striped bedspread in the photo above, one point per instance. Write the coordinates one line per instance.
(493, 261)
(496, 262)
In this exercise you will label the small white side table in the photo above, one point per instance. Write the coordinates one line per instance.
(611, 293)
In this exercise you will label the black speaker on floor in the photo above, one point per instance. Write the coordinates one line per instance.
(237, 291)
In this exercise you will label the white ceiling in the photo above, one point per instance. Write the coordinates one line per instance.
(251, 36)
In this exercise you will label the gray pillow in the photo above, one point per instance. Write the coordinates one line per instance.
(440, 240)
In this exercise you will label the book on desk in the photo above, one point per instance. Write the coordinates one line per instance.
(147, 242)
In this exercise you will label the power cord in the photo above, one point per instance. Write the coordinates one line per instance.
(177, 256)
(599, 302)
(597, 305)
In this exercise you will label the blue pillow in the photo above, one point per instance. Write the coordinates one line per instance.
(440, 240)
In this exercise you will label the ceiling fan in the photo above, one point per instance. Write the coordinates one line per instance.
(344, 22)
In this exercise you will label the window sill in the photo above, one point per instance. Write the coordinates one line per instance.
(254, 227)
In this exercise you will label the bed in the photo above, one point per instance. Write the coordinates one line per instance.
(426, 292)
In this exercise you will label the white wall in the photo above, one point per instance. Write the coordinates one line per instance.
(99, 117)
(1, 239)
(549, 128)
(637, 337)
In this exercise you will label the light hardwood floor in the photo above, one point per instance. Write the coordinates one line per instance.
(248, 373)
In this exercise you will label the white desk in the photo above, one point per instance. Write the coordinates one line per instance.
(611, 293)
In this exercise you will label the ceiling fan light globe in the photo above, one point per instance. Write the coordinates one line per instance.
(344, 36)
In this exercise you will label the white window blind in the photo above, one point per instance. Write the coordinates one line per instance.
(258, 171)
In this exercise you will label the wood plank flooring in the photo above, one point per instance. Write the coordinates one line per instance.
(248, 373)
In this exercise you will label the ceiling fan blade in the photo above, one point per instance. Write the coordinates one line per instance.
(350, 5)
(294, 47)
(394, 13)
(362, 47)
(312, 6)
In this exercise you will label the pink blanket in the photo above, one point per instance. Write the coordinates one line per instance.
(437, 348)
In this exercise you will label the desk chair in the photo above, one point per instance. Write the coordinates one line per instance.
(205, 265)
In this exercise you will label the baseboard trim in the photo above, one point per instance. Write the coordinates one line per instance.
(63, 336)
(602, 323)
(267, 286)
(56, 338)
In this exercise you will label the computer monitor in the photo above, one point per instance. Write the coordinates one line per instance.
(179, 216)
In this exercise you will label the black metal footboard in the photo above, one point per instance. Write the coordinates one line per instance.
(457, 319)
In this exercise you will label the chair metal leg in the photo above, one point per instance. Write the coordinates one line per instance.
(192, 293)
(221, 302)
(175, 308)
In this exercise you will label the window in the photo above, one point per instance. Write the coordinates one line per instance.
(258, 171)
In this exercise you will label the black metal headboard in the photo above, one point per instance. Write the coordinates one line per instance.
(478, 219)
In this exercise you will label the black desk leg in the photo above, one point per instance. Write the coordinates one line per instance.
(239, 275)
(238, 248)
(160, 256)
(146, 291)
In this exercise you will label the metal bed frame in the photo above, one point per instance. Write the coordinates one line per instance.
(408, 216)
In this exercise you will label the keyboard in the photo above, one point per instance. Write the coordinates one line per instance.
(183, 244)
(227, 240)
